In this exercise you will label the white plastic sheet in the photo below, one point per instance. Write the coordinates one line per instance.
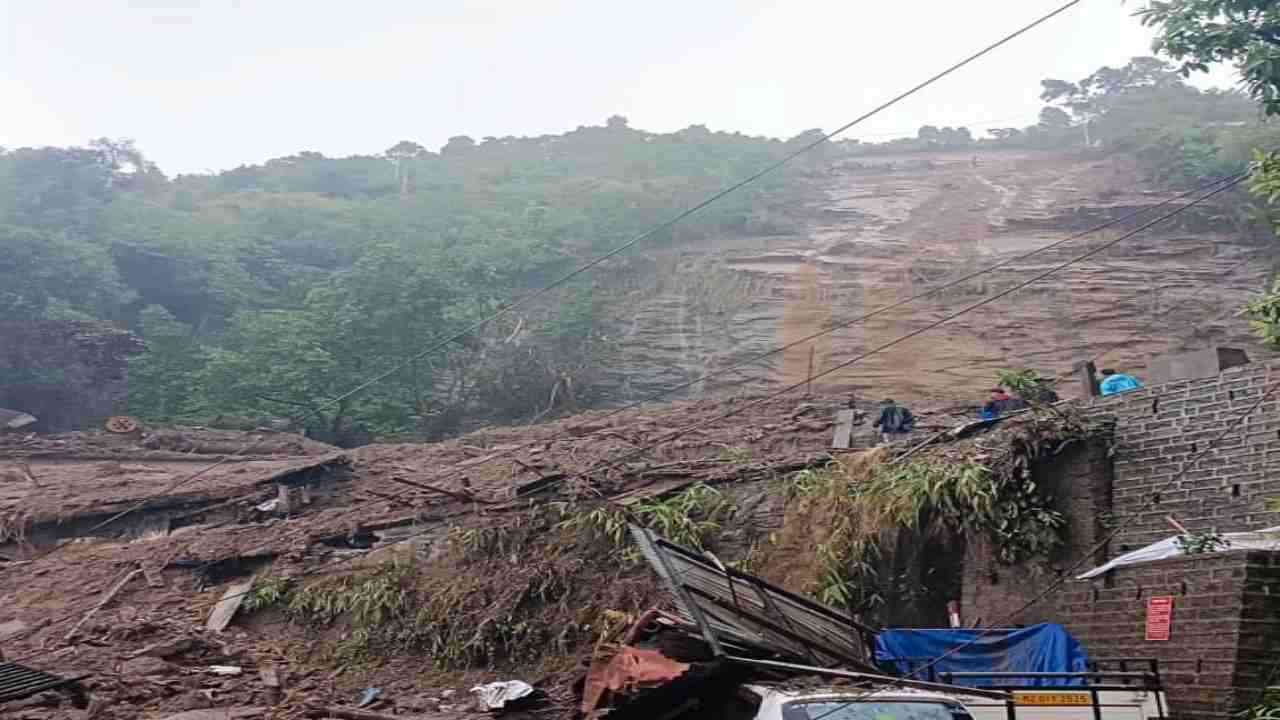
(496, 695)
(1268, 539)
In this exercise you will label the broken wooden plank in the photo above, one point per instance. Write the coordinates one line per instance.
(320, 711)
(283, 498)
(465, 497)
(227, 606)
(649, 492)
(106, 598)
(844, 430)
(224, 713)
(496, 452)
(154, 578)
(535, 486)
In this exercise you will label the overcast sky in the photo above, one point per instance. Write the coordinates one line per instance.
(215, 84)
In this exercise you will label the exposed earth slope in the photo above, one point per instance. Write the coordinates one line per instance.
(883, 228)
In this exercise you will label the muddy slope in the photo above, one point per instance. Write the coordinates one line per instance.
(883, 229)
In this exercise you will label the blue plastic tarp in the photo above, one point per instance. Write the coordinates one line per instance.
(1040, 648)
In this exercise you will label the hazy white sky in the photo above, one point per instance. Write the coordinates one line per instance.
(214, 84)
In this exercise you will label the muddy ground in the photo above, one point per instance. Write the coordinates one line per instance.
(149, 655)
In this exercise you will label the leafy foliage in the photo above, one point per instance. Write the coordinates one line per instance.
(1023, 382)
(1267, 707)
(1204, 541)
(268, 593)
(525, 591)
(1263, 312)
(1011, 510)
(690, 518)
(845, 511)
(270, 290)
(1201, 32)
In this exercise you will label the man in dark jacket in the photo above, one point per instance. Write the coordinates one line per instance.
(894, 422)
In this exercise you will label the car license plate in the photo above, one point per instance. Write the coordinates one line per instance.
(1030, 698)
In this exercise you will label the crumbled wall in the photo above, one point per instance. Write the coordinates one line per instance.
(70, 375)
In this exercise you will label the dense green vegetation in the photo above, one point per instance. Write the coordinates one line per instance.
(1180, 135)
(270, 290)
(1245, 33)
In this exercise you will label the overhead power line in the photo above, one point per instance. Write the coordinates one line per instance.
(833, 327)
(1226, 185)
(1223, 186)
(743, 407)
(1085, 557)
(569, 276)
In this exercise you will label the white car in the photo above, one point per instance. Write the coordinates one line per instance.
(851, 703)
(898, 703)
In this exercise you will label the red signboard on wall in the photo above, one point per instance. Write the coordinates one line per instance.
(1159, 617)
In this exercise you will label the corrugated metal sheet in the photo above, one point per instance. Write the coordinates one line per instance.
(18, 681)
(744, 613)
(14, 419)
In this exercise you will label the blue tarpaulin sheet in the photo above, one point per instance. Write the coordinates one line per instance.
(1040, 648)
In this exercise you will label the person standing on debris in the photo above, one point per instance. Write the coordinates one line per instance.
(894, 422)
(1114, 382)
(1001, 403)
(996, 405)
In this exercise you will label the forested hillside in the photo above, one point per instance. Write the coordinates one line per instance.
(266, 291)
(263, 291)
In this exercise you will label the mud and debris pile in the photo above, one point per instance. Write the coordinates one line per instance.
(392, 579)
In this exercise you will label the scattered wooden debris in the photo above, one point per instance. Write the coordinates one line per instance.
(108, 597)
(844, 430)
(344, 713)
(465, 497)
(226, 713)
(226, 608)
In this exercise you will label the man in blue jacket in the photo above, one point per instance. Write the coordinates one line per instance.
(1114, 382)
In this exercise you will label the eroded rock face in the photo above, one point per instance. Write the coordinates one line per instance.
(69, 375)
(886, 228)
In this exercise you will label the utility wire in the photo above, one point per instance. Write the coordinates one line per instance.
(903, 338)
(1224, 186)
(833, 327)
(830, 329)
(1107, 350)
(1086, 557)
(567, 277)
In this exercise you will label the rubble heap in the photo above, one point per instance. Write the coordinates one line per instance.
(414, 572)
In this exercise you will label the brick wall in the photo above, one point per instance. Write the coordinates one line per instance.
(1224, 634)
(1079, 481)
(1161, 427)
(1258, 645)
(1226, 630)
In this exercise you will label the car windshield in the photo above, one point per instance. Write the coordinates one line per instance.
(896, 710)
